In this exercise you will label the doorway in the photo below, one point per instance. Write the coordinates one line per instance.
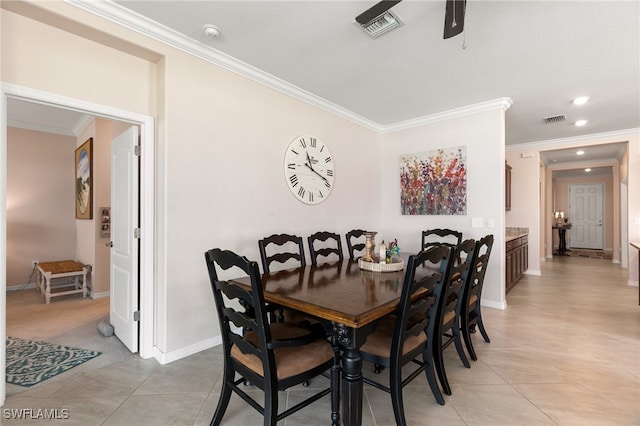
(586, 208)
(147, 202)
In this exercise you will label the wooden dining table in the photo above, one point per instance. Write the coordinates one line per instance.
(349, 301)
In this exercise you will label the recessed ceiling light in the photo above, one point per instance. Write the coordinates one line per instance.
(580, 123)
(581, 152)
(587, 170)
(580, 100)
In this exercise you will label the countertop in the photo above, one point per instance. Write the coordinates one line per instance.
(512, 233)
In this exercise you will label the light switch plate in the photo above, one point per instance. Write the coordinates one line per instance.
(477, 222)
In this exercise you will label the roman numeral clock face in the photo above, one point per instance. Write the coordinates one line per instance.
(309, 169)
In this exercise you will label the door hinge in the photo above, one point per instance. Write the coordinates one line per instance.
(136, 233)
(136, 150)
(136, 315)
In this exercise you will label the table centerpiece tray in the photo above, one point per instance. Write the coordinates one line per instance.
(397, 264)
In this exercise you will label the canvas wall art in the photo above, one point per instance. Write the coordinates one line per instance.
(84, 180)
(434, 182)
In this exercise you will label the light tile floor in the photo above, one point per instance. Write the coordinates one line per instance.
(566, 351)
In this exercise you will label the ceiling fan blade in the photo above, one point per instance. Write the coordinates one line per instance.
(454, 17)
(376, 10)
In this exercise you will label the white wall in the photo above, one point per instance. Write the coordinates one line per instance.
(225, 186)
(483, 136)
(40, 201)
(525, 194)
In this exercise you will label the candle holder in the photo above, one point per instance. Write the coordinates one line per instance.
(369, 246)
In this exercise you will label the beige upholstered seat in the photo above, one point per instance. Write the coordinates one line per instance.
(289, 361)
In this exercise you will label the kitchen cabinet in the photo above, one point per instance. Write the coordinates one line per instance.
(517, 259)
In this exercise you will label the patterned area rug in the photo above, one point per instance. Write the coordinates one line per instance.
(30, 362)
(594, 254)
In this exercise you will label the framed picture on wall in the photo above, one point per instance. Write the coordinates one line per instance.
(84, 180)
(434, 182)
(105, 221)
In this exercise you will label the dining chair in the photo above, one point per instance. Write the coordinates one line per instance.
(434, 237)
(355, 242)
(273, 357)
(471, 313)
(284, 249)
(450, 305)
(325, 244)
(398, 340)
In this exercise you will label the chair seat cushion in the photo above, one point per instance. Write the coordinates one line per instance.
(448, 317)
(379, 342)
(473, 299)
(289, 361)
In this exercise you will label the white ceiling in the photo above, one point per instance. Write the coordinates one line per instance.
(540, 54)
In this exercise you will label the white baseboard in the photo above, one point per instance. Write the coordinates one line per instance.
(21, 287)
(100, 295)
(631, 283)
(533, 272)
(165, 358)
(493, 304)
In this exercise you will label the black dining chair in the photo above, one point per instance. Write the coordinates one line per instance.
(471, 313)
(410, 332)
(326, 245)
(284, 249)
(273, 357)
(438, 236)
(356, 240)
(450, 305)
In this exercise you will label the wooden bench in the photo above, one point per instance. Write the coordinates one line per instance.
(49, 271)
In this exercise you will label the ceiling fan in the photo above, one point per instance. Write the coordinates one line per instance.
(453, 16)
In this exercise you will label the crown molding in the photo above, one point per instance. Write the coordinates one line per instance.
(124, 17)
(613, 136)
(500, 103)
(84, 121)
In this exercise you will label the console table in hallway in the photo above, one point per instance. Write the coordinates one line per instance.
(562, 235)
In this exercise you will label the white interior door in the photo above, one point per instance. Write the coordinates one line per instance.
(124, 241)
(586, 209)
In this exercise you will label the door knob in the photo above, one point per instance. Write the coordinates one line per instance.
(109, 244)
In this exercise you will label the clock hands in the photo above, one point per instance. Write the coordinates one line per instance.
(314, 171)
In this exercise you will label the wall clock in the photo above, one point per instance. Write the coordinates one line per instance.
(309, 169)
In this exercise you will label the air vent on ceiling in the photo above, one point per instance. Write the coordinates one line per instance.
(382, 24)
(555, 118)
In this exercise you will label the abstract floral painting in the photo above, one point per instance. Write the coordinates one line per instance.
(434, 182)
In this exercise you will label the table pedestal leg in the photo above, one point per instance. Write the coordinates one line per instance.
(352, 388)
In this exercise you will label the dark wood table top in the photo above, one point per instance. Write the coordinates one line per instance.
(339, 292)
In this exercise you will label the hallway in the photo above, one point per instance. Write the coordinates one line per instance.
(565, 352)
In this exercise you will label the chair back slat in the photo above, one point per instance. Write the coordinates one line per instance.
(281, 248)
(438, 236)
(325, 245)
(355, 242)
